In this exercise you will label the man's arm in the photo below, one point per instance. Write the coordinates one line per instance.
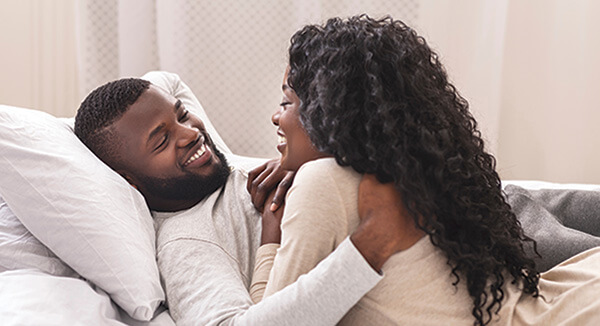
(204, 287)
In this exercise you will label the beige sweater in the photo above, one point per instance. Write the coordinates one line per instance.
(321, 210)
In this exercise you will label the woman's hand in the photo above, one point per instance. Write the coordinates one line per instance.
(271, 223)
(386, 225)
(265, 179)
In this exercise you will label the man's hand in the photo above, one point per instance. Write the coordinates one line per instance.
(266, 178)
(386, 226)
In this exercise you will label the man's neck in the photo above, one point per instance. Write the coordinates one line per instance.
(162, 205)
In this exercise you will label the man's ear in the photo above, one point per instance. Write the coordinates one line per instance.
(129, 179)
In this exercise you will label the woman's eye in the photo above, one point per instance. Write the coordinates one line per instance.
(283, 104)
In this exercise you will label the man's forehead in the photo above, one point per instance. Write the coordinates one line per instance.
(152, 102)
(145, 114)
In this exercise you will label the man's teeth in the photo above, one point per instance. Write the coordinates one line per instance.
(197, 154)
(281, 139)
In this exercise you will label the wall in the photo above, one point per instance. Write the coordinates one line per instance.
(37, 63)
(529, 70)
(550, 104)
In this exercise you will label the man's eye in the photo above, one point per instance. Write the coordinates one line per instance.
(162, 142)
(184, 116)
(283, 104)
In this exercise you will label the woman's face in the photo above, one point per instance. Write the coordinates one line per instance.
(294, 144)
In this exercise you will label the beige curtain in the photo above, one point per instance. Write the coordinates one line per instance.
(232, 53)
(528, 68)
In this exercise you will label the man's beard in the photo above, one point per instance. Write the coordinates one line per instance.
(189, 186)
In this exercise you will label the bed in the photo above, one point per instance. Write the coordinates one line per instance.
(76, 240)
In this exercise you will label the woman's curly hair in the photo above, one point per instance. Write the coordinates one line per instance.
(375, 96)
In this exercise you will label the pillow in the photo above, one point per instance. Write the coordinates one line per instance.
(19, 249)
(78, 207)
(32, 298)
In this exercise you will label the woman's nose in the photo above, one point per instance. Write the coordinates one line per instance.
(275, 117)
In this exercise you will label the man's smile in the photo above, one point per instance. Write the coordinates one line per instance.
(200, 155)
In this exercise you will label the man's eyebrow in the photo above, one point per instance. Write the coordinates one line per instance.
(285, 87)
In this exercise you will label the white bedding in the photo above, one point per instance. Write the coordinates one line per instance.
(30, 297)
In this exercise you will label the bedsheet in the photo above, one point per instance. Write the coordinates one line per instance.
(31, 297)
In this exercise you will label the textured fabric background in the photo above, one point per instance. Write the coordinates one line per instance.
(231, 53)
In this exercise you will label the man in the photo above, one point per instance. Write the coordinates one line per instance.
(208, 230)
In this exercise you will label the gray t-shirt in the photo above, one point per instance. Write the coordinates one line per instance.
(206, 260)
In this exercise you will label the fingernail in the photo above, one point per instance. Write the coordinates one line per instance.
(273, 207)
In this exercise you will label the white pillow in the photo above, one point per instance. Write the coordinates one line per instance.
(29, 297)
(78, 207)
(19, 249)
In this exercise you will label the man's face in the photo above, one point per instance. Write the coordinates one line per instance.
(167, 153)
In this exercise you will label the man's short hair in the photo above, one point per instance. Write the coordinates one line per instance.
(100, 109)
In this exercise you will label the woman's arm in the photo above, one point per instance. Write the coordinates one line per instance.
(313, 225)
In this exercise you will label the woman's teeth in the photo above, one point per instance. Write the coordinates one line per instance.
(281, 139)
(199, 153)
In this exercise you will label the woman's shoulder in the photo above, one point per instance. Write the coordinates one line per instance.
(324, 176)
(326, 166)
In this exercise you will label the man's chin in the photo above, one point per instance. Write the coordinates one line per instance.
(190, 186)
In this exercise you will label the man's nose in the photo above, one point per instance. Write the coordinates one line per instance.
(187, 135)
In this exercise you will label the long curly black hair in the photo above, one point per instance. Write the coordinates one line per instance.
(375, 96)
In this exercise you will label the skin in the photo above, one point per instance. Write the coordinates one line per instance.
(159, 136)
(265, 177)
(294, 144)
(382, 205)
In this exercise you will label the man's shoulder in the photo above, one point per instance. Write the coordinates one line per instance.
(215, 212)
(236, 184)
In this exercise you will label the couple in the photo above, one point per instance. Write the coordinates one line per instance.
(361, 97)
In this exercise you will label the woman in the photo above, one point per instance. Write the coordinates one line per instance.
(365, 96)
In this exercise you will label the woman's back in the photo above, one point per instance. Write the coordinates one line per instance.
(418, 285)
(321, 210)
